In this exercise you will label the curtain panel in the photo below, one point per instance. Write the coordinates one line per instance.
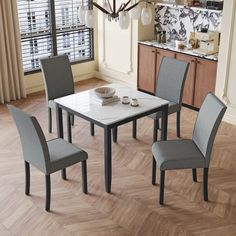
(11, 67)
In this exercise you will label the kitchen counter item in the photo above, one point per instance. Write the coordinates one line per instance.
(179, 44)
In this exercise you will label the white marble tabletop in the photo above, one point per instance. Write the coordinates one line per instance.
(84, 104)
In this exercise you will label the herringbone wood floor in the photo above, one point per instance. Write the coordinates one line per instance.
(132, 208)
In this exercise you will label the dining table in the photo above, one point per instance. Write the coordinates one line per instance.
(110, 116)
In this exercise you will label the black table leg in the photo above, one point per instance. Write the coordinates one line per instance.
(164, 122)
(134, 129)
(155, 125)
(69, 136)
(155, 130)
(60, 132)
(59, 122)
(114, 134)
(107, 158)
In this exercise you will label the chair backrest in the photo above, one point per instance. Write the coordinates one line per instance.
(34, 145)
(171, 79)
(57, 75)
(207, 123)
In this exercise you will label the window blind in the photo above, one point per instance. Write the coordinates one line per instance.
(50, 28)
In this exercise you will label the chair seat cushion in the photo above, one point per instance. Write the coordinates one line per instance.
(64, 154)
(177, 154)
(172, 108)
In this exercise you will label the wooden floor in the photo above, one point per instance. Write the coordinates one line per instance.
(132, 208)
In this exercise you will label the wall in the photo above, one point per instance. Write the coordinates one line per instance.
(226, 79)
(117, 49)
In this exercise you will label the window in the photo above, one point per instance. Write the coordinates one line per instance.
(50, 27)
(33, 46)
(82, 53)
(49, 44)
(31, 21)
(47, 24)
(81, 38)
(65, 17)
(35, 63)
(66, 40)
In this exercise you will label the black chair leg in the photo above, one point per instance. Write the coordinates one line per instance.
(92, 129)
(69, 135)
(205, 184)
(49, 120)
(162, 184)
(155, 129)
(114, 134)
(194, 174)
(84, 177)
(63, 173)
(134, 129)
(154, 167)
(48, 192)
(72, 119)
(27, 178)
(178, 124)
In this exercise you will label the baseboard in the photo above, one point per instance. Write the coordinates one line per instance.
(230, 119)
(110, 79)
(39, 86)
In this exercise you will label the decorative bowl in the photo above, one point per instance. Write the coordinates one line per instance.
(104, 92)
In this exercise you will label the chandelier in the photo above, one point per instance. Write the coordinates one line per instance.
(86, 16)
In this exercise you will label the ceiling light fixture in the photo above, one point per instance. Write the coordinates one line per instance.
(121, 14)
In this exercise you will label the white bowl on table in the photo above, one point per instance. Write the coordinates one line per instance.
(104, 92)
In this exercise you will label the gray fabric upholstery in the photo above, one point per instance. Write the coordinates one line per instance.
(207, 123)
(35, 149)
(177, 154)
(171, 79)
(170, 84)
(63, 154)
(48, 156)
(172, 108)
(57, 75)
(182, 154)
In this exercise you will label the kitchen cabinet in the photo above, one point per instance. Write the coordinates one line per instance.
(205, 80)
(148, 66)
(200, 80)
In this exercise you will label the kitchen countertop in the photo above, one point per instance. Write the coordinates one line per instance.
(171, 47)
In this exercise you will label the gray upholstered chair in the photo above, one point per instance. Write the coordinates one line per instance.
(190, 154)
(58, 81)
(47, 156)
(170, 84)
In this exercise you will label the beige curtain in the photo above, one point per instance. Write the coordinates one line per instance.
(11, 68)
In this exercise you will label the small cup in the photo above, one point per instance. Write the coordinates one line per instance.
(134, 102)
(125, 100)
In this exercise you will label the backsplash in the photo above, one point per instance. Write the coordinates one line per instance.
(178, 22)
